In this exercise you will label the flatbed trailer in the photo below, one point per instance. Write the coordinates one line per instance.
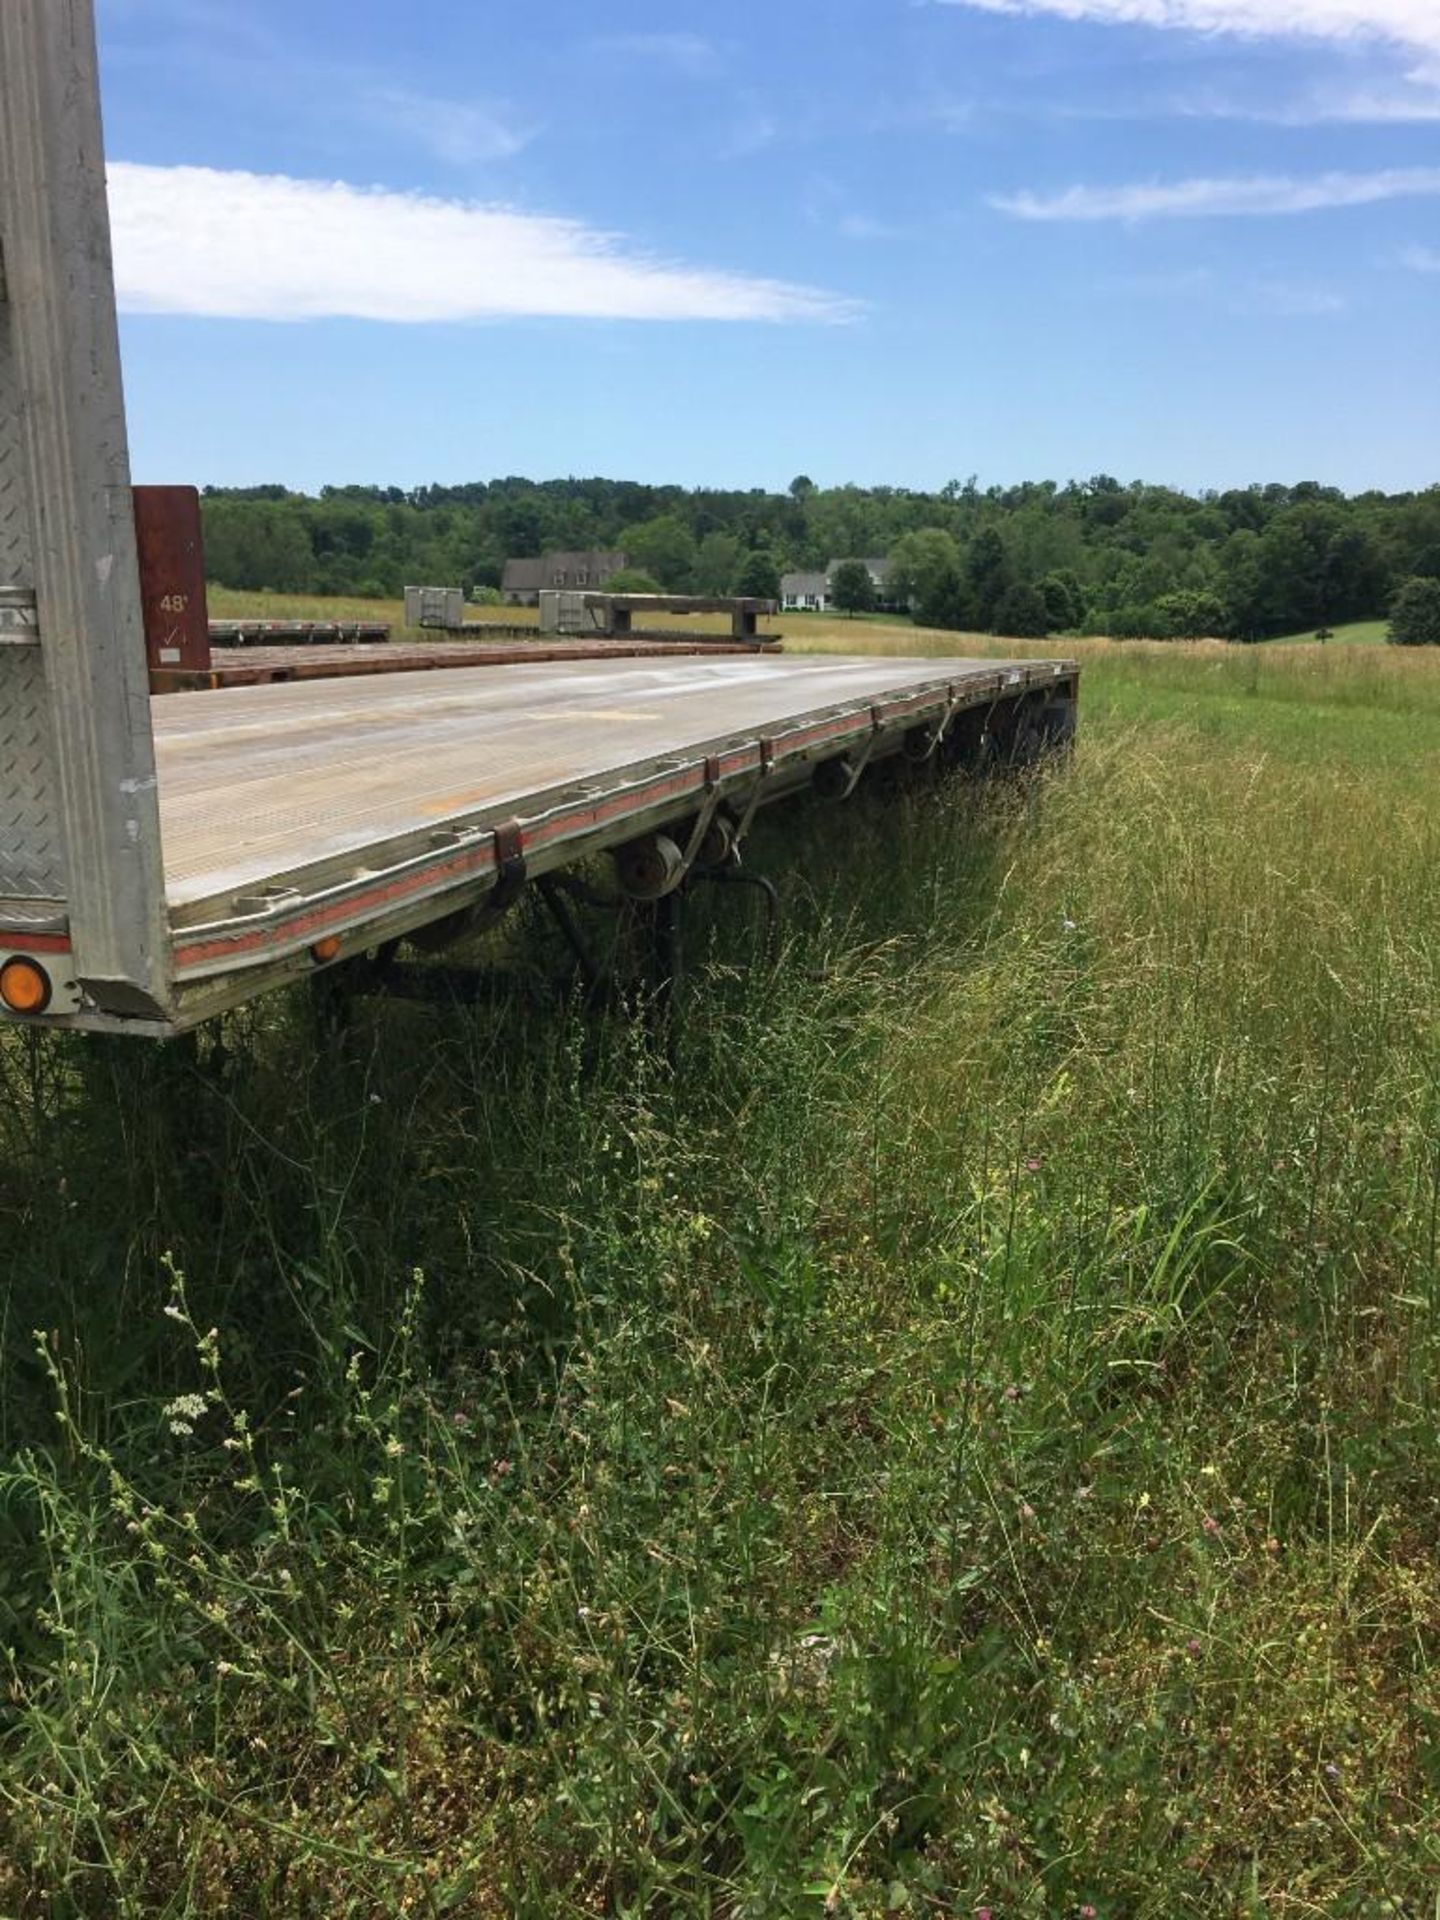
(162, 860)
(254, 666)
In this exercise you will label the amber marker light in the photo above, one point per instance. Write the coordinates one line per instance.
(325, 949)
(24, 986)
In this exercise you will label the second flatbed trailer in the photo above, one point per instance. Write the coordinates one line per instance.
(162, 860)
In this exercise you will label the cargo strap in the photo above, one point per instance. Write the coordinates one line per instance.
(767, 761)
(942, 725)
(877, 722)
(704, 819)
(509, 866)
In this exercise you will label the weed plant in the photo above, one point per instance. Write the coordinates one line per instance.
(956, 1433)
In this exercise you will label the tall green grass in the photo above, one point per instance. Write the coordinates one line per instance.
(1354, 633)
(957, 1432)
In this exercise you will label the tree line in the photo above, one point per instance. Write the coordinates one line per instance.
(1092, 556)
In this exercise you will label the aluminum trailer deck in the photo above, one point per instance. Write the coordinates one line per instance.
(304, 823)
(298, 816)
(162, 859)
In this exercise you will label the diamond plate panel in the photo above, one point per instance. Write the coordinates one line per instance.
(32, 865)
(75, 479)
(15, 567)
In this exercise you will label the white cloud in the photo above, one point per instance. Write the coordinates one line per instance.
(461, 132)
(1252, 195)
(1203, 285)
(236, 26)
(1421, 259)
(266, 247)
(750, 129)
(1414, 104)
(1289, 300)
(1178, 283)
(688, 53)
(864, 226)
(1410, 23)
(930, 108)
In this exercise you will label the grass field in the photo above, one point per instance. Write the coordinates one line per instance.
(1358, 633)
(803, 632)
(961, 1436)
(228, 604)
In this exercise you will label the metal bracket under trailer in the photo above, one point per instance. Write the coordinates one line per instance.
(162, 860)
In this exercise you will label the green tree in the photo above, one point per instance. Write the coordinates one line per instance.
(1189, 614)
(1242, 575)
(1356, 577)
(633, 580)
(260, 545)
(1318, 566)
(1022, 612)
(851, 588)
(759, 575)
(1281, 558)
(919, 562)
(987, 575)
(717, 563)
(1064, 600)
(1415, 614)
(947, 603)
(664, 547)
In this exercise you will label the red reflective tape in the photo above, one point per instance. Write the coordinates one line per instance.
(35, 942)
(302, 925)
(632, 800)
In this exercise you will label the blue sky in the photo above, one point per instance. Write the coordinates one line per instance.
(888, 241)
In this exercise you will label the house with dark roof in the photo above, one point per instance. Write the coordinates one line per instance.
(523, 581)
(809, 592)
(878, 568)
(804, 592)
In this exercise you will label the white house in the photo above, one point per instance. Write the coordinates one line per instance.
(810, 592)
(804, 592)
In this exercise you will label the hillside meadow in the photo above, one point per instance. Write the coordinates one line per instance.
(801, 631)
(955, 1432)
(1355, 633)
